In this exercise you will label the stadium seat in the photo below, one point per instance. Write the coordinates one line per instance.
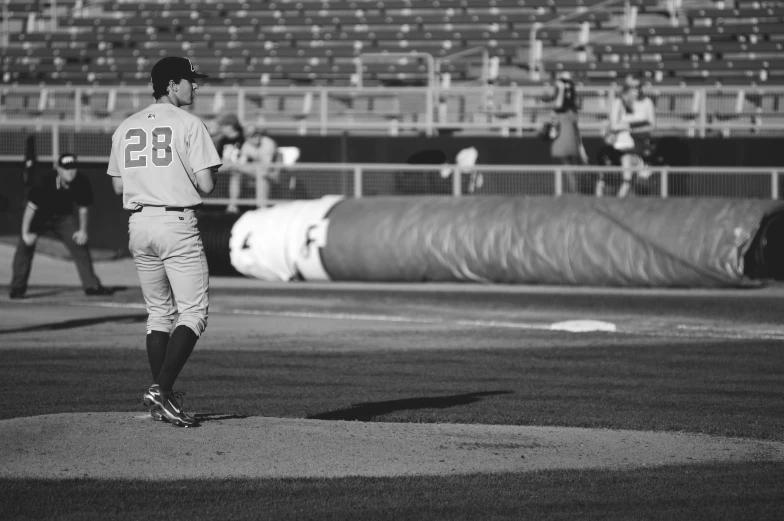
(315, 42)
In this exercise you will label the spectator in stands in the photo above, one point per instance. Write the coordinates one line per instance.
(567, 146)
(257, 157)
(632, 118)
(228, 143)
(213, 127)
(50, 209)
(229, 140)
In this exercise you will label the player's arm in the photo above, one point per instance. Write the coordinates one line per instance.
(204, 156)
(80, 235)
(114, 170)
(27, 220)
(117, 184)
(616, 117)
(645, 121)
(205, 179)
(247, 168)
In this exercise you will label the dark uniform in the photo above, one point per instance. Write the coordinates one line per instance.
(50, 208)
(567, 146)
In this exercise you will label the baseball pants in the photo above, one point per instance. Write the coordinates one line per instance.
(63, 227)
(172, 267)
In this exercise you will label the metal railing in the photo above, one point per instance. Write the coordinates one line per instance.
(396, 57)
(92, 143)
(315, 180)
(416, 110)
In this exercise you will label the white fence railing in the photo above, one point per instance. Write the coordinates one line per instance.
(92, 142)
(421, 110)
(314, 180)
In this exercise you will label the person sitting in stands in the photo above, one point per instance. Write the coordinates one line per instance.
(228, 143)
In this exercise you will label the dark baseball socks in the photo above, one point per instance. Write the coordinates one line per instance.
(179, 348)
(156, 351)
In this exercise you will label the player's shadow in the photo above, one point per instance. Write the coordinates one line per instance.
(54, 291)
(203, 417)
(368, 411)
(50, 292)
(78, 322)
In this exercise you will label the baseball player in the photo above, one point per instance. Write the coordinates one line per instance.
(161, 157)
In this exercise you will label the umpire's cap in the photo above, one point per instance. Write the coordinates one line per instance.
(173, 67)
(67, 160)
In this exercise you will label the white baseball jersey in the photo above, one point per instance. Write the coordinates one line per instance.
(157, 151)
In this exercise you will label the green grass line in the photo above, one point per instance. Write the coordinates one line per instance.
(718, 388)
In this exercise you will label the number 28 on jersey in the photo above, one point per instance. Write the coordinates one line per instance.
(139, 145)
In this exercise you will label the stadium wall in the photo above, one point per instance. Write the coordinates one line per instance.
(762, 151)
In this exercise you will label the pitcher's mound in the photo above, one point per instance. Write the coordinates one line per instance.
(131, 445)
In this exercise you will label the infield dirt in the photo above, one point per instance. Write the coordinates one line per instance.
(127, 445)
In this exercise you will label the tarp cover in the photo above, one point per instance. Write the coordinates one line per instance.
(282, 242)
(543, 240)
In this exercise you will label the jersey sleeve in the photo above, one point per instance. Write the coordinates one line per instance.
(201, 150)
(114, 167)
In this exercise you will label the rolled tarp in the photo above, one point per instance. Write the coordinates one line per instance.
(282, 242)
(524, 240)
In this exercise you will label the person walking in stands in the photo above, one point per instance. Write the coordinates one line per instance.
(632, 119)
(567, 147)
(161, 157)
(50, 208)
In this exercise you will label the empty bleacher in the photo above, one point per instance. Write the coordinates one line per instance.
(272, 43)
(316, 43)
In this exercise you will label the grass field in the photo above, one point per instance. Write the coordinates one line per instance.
(682, 362)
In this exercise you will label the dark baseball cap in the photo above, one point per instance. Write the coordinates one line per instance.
(173, 67)
(67, 161)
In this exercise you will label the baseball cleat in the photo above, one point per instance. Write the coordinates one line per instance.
(167, 406)
(171, 410)
(152, 396)
(150, 400)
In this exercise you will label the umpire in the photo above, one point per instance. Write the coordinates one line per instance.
(50, 209)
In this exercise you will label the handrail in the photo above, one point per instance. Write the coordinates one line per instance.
(72, 110)
(431, 68)
(467, 52)
(405, 167)
(532, 59)
(479, 172)
(431, 78)
(147, 89)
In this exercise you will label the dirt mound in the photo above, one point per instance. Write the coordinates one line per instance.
(129, 445)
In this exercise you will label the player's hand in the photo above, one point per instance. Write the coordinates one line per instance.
(80, 237)
(29, 238)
